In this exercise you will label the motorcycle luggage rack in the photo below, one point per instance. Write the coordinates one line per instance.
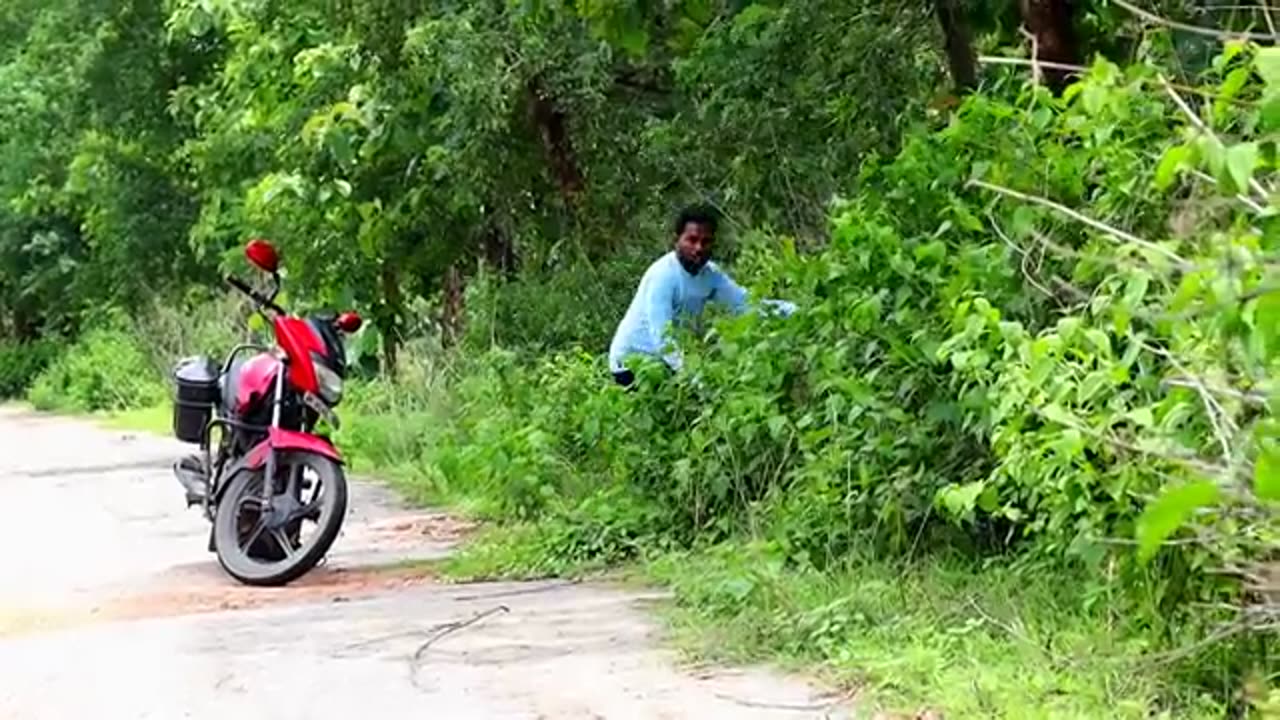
(234, 424)
(226, 367)
(231, 356)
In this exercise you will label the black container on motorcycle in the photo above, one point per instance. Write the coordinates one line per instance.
(195, 394)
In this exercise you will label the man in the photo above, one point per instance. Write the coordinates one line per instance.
(675, 287)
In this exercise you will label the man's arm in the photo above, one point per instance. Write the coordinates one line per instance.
(659, 312)
(737, 299)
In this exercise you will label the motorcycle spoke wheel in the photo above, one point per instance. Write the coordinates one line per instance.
(258, 528)
(311, 511)
(262, 546)
(283, 542)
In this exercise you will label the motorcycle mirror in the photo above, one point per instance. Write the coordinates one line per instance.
(263, 254)
(349, 322)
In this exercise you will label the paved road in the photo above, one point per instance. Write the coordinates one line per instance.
(111, 608)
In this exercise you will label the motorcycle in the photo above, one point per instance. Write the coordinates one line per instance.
(272, 486)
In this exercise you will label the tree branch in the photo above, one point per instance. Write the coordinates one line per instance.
(1218, 417)
(1114, 232)
(1036, 65)
(1253, 398)
(1024, 62)
(1204, 128)
(1248, 201)
(1187, 27)
(1266, 15)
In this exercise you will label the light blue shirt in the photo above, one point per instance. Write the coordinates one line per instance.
(668, 294)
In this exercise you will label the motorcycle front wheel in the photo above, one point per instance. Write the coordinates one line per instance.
(278, 547)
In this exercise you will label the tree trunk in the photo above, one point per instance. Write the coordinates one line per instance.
(499, 252)
(389, 318)
(552, 128)
(452, 307)
(1049, 22)
(26, 327)
(958, 40)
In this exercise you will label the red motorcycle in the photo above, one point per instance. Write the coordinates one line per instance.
(273, 487)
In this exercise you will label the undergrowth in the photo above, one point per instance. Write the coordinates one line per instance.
(21, 363)
(106, 369)
(971, 639)
(998, 638)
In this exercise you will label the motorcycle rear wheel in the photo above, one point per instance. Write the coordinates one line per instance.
(254, 554)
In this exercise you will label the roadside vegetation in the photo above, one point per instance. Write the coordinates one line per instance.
(1015, 456)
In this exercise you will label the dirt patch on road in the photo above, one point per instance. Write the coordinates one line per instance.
(413, 530)
(320, 585)
(202, 587)
(201, 590)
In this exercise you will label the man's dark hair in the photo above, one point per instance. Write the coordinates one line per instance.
(699, 214)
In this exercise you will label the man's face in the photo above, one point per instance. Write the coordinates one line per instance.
(693, 246)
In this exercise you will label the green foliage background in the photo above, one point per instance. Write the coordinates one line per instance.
(1036, 344)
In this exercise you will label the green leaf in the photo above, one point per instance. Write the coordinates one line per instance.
(1227, 92)
(1266, 322)
(200, 22)
(1230, 49)
(1241, 159)
(340, 146)
(989, 500)
(1214, 155)
(754, 14)
(1266, 474)
(634, 39)
(1169, 512)
(1175, 158)
(933, 251)
(1100, 340)
(685, 36)
(1093, 98)
(1234, 82)
(1142, 417)
(777, 424)
(959, 500)
(1269, 114)
(1092, 385)
(1267, 61)
(1024, 220)
(738, 587)
(966, 219)
(1136, 288)
(700, 11)
(1057, 414)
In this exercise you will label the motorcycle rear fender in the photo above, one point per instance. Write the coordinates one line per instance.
(280, 440)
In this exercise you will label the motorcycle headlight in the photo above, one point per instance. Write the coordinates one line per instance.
(329, 381)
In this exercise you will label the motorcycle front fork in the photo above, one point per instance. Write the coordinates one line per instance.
(269, 482)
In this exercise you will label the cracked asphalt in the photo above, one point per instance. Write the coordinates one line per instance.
(110, 607)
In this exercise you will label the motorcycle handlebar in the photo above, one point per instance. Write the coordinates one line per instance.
(257, 297)
(240, 285)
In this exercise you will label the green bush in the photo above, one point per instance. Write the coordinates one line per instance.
(569, 304)
(105, 369)
(972, 369)
(199, 323)
(21, 363)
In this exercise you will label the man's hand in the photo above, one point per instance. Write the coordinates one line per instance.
(779, 307)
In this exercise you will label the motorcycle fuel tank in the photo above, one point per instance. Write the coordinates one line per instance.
(254, 381)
